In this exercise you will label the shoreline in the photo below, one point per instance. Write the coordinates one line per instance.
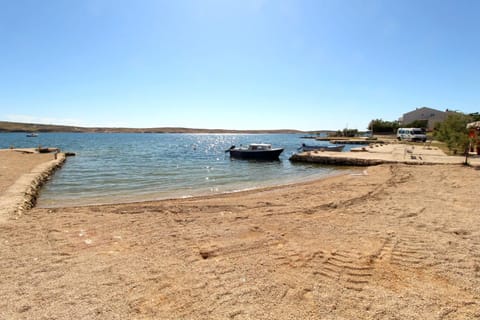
(29, 185)
(394, 241)
(300, 182)
(19, 127)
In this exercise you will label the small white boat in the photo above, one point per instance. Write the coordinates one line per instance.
(32, 135)
(337, 148)
(257, 151)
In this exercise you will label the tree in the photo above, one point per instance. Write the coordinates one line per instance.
(346, 133)
(350, 132)
(417, 124)
(475, 116)
(453, 131)
(381, 126)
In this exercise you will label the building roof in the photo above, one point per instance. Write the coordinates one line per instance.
(424, 109)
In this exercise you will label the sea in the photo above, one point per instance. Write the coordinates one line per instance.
(129, 167)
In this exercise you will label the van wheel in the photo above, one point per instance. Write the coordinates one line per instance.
(399, 139)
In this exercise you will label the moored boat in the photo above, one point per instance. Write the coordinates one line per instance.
(337, 148)
(32, 135)
(257, 151)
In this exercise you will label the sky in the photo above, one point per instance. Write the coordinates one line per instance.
(246, 64)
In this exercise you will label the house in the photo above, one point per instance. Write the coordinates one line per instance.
(432, 116)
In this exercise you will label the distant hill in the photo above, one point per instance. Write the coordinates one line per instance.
(6, 126)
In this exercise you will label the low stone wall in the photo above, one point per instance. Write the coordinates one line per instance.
(22, 195)
(338, 161)
(356, 159)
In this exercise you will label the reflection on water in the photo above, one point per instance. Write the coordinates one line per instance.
(132, 167)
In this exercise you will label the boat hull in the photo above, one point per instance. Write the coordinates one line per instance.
(323, 148)
(272, 154)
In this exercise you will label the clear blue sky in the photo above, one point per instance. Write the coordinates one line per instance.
(246, 64)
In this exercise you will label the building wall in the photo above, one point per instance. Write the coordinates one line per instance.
(433, 116)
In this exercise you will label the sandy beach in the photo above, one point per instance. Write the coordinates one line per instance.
(395, 241)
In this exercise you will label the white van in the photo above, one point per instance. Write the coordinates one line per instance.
(411, 134)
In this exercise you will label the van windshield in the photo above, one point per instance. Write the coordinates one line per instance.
(417, 131)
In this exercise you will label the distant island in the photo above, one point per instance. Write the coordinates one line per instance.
(6, 126)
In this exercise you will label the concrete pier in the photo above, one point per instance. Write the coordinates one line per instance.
(380, 154)
(22, 193)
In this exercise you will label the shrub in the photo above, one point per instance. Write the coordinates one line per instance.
(381, 126)
(453, 131)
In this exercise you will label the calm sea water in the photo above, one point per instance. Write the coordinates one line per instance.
(125, 167)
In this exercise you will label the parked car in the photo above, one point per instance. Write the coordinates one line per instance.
(411, 134)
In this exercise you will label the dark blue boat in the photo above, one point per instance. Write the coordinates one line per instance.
(256, 151)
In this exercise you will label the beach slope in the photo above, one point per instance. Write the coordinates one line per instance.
(394, 242)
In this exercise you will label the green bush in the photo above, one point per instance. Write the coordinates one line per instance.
(453, 131)
(417, 124)
(345, 133)
(381, 126)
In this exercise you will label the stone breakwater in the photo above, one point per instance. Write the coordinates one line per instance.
(22, 195)
(354, 160)
(336, 160)
(384, 154)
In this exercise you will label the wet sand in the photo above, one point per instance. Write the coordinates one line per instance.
(395, 242)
